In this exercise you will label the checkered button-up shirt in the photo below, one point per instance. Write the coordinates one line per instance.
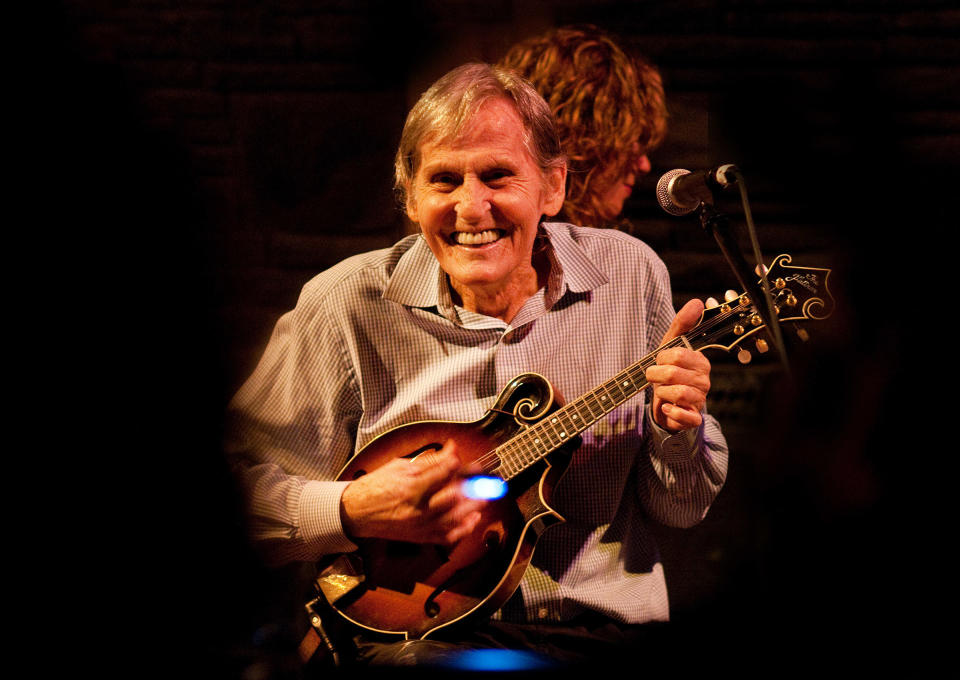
(377, 341)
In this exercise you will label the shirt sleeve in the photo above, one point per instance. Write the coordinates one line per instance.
(680, 474)
(290, 429)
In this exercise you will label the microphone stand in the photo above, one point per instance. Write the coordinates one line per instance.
(718, 225)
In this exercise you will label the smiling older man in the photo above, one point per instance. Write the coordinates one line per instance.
(430, 330)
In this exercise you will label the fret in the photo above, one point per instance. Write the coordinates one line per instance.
(559, 428)
(569, 422)
(512, 454)
(637, 373)
(549, 433)
(647, 363)
(604, 399)
(595, 405)
(504, 469)
(526, 445)
(613, 388)
(530, 445)
(627, 385)
(515, 465)
(592, 404)
(537, 441)
(523, 457)
(510, 457)
(574, 413)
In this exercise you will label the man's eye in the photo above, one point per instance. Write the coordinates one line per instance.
(496, 176)
(444, 179)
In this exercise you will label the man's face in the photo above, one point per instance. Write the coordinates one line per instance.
(479, 198)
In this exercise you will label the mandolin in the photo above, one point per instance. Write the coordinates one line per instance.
(526, 440)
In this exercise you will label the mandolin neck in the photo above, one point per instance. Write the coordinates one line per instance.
(549, 434)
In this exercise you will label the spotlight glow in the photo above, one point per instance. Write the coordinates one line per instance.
(484, 488)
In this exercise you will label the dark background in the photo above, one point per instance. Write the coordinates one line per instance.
(200, 161)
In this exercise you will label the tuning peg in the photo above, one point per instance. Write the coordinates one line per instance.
(802, 334)
(711, 302)
(744, 356)
(762, 346)
(761, 269)
(730, 296)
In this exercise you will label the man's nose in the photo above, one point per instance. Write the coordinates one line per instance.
(473, 200)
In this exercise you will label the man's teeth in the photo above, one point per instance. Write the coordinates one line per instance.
(466, 238)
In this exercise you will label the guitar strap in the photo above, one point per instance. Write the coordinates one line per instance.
(326, 642)
(309, 645)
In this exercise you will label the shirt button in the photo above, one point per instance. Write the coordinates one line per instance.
(543, 612)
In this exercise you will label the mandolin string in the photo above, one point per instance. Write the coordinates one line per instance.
(493, 459)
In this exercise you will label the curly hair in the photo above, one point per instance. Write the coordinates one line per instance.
(604, 101)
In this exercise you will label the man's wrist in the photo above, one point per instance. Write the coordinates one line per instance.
(682, 444)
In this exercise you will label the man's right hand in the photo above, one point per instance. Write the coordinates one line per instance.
(417, 500)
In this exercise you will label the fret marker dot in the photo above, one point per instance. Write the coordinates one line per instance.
(563, 434)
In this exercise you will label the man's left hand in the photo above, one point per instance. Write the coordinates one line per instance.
(681, 378)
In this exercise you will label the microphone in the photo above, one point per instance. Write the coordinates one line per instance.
(681, 191)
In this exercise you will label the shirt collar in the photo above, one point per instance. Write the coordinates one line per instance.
(570, 266)
(418, 281)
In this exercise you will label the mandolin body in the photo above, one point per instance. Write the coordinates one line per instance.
(414, 589)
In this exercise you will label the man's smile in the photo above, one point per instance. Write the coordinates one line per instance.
(477, 238)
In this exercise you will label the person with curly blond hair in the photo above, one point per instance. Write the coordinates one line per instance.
(610, 110)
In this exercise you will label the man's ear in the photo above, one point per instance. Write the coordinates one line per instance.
(555, 190)
(411, 205)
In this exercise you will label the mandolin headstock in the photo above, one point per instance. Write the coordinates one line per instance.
(800, 294)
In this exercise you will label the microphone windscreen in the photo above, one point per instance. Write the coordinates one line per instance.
(663, 193)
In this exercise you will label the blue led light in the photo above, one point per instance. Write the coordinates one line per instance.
(484, 488)
(497, 660)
